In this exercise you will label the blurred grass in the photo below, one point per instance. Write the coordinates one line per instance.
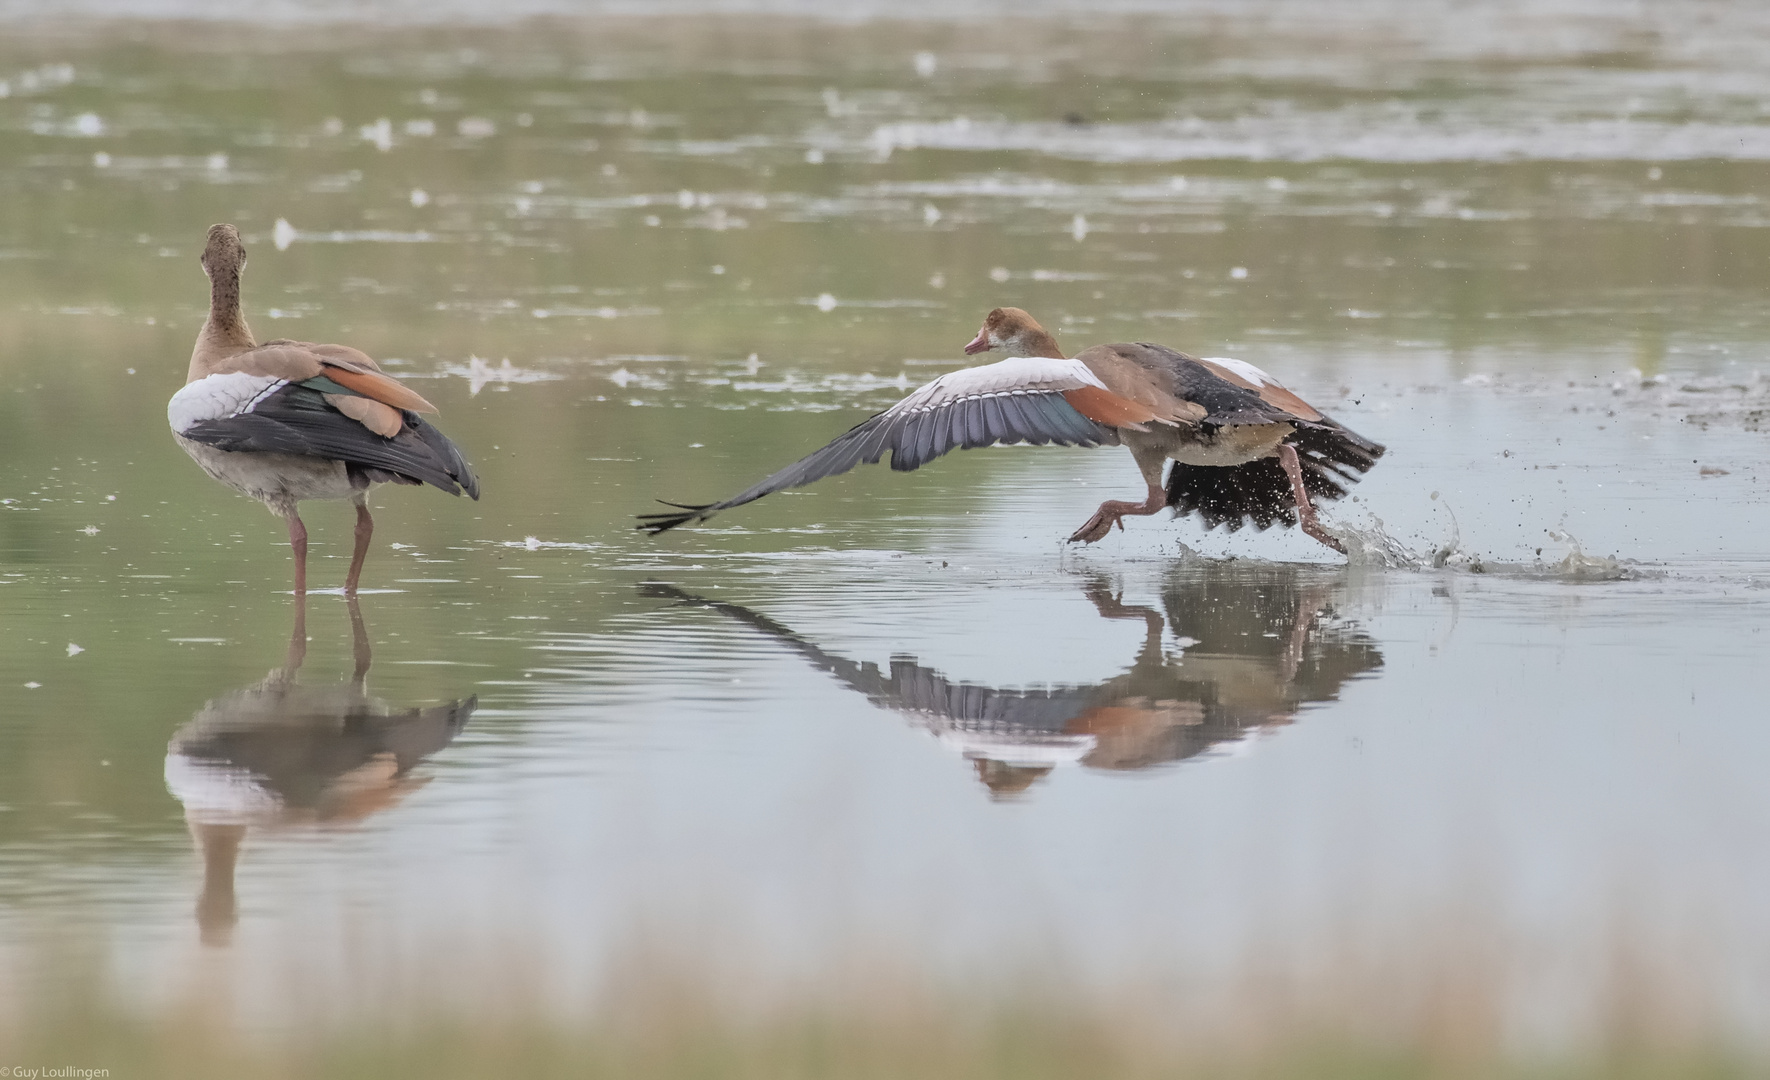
(960, 1040)
(1444, 1006)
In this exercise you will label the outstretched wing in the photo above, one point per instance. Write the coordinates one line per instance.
(242, 411)
(1019, 400)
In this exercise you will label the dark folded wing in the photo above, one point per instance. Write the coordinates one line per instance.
(297, 420)
(940, 417)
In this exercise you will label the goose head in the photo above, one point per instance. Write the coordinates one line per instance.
(223, 254)
(1013, 331)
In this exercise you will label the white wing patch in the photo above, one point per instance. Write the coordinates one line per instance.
(1017, 374)
(219, 397)
(1244, 369)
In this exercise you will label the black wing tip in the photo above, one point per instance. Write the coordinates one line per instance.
(1334, 440)
(663, 523)
(684, 514)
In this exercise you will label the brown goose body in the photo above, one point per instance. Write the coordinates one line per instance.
(1243, 446)
(288, 421)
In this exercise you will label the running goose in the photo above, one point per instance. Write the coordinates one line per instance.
(1260, 641)
(1243, 446)
(290, 420)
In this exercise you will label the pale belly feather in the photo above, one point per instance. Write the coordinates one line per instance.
(1237, 444)
(277, 480)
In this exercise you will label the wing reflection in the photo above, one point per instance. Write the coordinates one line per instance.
(277, 754)
(1245, 648)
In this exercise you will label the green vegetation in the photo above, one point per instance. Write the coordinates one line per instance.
(924, 1041)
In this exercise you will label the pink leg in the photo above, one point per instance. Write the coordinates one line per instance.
(365, 528)
(1287, 458)
(298, 544)
(1113, 512)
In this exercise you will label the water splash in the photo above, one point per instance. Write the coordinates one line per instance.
(1580, 566)
(1372, 546)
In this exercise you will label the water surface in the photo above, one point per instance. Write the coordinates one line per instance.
(892, 723)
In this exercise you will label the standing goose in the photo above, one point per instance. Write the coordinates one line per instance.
(1243, 446)
(290, 420)
(278, 754)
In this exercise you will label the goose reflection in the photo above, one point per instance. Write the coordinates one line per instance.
(278, 754)
(1244, 650)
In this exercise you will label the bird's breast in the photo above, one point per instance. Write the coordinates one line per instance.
(277, 480)
(1221, 447)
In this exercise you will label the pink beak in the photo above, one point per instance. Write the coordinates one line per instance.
(978, 344)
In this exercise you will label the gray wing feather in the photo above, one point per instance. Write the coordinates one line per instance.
(927, 431)
(995, 422)
(917, 436)
(943, 434)
(976, 432)
(1017, 416)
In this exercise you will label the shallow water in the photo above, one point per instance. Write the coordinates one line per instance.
(893, 720)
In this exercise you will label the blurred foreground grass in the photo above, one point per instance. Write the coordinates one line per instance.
(1025, 1043)
(674, 1030)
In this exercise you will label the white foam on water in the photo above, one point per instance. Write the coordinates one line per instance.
(1371, 546)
